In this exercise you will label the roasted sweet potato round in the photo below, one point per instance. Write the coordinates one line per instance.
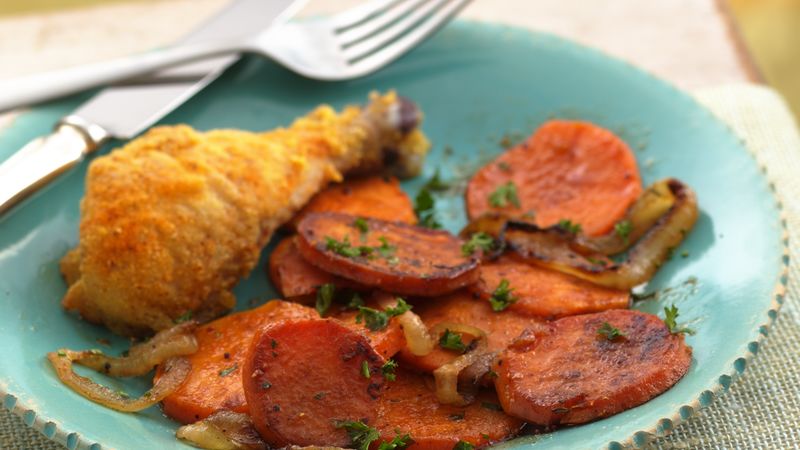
(215, 380)
(301, 377)
(566, 170)
(394, 257)
(545, 292)
(409, 405)
(573, 372)
(377, 197)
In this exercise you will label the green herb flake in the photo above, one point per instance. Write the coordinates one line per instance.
(685, 254)
(377, 320)
(479, 240)
(355, 301)
(492, 406)
(398, 442)
(325, 295)
(273, 343)
(266, 385)
(456, 417)
(452, 341)
(609, 332)
(436, 184)
(365, 369)
(229, 370)
(62, 353)
(568, 226)
(123, 394)
(361, 225)
(388, 370)
(671, 320)
(185, 317)
(463, 445)
(502, 165)
(501, 297)
(503, 195)
(361, 435)
(320, 395)
(623, 229)
(344, 248)
(386, 250)
(492, 374)
(424, 208)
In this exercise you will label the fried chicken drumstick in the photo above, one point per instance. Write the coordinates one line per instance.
(171, 221)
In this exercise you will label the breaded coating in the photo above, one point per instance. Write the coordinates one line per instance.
(171, 221)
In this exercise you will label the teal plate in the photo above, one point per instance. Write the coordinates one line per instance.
(477, 85)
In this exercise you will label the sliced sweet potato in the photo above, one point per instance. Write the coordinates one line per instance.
(387, 342)
(573, 373)
(566, 170)
(301, 377)
(376, 197)
(215, 381)
(392, 256)
(409, 405)
(294, 277)
(546, 293)
(462, 307)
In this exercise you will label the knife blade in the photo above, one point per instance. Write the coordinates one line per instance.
(145, 100)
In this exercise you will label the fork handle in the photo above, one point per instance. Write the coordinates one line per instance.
(29, 89)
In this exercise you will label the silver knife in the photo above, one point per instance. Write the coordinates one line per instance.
(123, 111)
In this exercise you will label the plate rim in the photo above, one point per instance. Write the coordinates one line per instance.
(54, 431)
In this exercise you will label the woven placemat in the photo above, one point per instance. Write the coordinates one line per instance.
(762, 408)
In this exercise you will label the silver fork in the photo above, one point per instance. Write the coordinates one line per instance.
(346, 45)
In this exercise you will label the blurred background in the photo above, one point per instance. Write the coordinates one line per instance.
(770, 32)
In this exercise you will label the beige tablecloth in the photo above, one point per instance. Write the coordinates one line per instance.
(762, 408)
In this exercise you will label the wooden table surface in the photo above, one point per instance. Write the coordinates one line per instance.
(689, 42)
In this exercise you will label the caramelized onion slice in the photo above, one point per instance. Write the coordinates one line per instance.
(223, 430)
(142, 358)
(446, 376)
(552, 249)
(654, 202)
(418, 340)
(176, 370)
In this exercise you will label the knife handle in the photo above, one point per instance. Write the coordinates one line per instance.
(44, 158)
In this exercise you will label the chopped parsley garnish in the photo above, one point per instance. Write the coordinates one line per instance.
(609, 331)
(502, 165)
(436, 184)
(569, 227)
(463, 445)
(424, 205)
(377, 320)
(452, 341)
(491, 374)
(362, 226)
(670, 319)
(623, 229)
(501, 297)
(325, 295)
(361, 435)
(492, 406)
(386, 250)
(344, 248)
(273, 343)
(266, 385)
(399, 308)
(388, 370)
(479, 240)
(229, 370)
(399, 441)
(320, 395)
(185, 317)
(365, 369)
(503, 195)
(355, 301)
